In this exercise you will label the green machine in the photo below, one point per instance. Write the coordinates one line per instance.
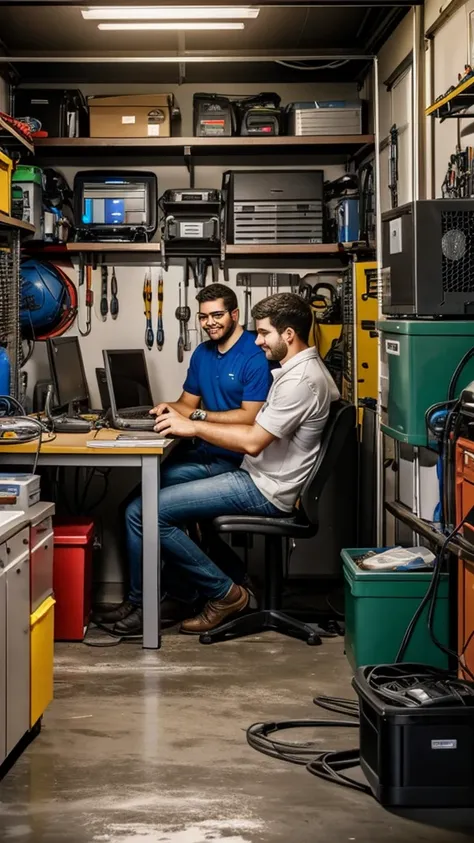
(418, 359)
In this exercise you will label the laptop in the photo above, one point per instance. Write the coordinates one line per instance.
(129, 390)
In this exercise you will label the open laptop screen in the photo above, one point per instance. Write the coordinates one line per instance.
(129, 377)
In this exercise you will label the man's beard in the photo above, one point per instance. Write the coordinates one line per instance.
(224, 336)
(279, 352)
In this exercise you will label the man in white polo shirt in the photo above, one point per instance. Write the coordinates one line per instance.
(280, 449)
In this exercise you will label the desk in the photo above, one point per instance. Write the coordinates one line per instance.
(70, 449)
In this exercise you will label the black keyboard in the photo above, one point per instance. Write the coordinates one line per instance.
(135, 413)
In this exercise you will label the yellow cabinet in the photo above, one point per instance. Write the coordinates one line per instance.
(42, 657)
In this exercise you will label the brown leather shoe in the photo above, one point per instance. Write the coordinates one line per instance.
(216, 611)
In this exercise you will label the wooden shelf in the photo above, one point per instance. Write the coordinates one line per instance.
(12, 223)
(333, 144)
(284, 249)
(454, 103)
(5, 127)
(109, 246)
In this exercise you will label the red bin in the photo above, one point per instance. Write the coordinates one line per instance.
(72, 577)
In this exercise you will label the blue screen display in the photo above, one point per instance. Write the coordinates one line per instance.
(114, 211)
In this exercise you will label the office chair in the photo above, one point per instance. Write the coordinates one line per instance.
(302, 525)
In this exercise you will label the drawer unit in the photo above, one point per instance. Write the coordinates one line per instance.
(41, 565)
(17, 545)
(17, 577)
(3, 668)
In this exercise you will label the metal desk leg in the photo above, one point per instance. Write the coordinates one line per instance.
(151, 552)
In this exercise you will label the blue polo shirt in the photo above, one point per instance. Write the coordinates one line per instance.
(223, 381)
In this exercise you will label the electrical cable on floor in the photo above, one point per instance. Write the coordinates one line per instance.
(326, 764)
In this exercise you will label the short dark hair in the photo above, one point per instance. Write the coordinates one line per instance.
(218, 291)
(286, 310)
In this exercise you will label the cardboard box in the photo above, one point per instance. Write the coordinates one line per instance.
(136, 116)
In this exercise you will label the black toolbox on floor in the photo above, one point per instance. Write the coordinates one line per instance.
(416, 757)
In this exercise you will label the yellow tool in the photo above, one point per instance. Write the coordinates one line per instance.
(147, 298)
(160, 333)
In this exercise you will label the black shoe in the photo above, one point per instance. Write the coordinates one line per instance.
(129, 627)
(118, 613)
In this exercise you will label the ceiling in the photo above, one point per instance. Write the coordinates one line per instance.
(293, 32)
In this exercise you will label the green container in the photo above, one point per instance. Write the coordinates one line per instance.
(26, 174)
(418, 361)
(379, 605)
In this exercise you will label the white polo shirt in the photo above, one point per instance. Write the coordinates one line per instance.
(296, 411)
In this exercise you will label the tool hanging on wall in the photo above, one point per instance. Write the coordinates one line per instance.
(187, 309)
(248, 302)
(147, 299)
(459, 179)
(114, 302)
(393, 166)
(85, 277)
(160, 333)
(182, 315)
(104, 292)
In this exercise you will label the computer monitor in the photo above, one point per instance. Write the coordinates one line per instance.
(67, 371)
(129, 377)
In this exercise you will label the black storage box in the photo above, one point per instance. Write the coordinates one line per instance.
(416, 757)
(428, 254)
(214, 116)
(62, 113)
(273, 206)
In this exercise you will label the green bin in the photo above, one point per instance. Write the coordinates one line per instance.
(418, 359)
(379, 605)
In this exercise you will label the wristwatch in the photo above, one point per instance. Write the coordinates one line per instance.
(198, 415)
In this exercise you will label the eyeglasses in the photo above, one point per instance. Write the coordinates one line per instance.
(216, 316)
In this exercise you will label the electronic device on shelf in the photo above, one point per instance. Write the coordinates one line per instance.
(129, 389)
(192, 222)
(428, 250)
(118, 206)
(215, 116)
(332, 117)
(260, 115)
(273, 206)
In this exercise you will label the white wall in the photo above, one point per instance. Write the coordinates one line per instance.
(4, 95)
(396, 109)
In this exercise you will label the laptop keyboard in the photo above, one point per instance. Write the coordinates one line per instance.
(136, 413)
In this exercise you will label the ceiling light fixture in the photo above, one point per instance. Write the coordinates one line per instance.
(171, 13)
(167, 26)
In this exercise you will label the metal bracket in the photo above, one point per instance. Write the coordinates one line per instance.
(188, 160)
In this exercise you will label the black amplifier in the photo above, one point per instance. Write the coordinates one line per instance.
(215, 116)
(189, 196)
(274, 206)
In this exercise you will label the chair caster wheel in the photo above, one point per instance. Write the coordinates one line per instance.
(205, 639)
(312, 640)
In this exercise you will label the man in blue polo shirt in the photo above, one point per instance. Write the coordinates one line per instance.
(227, 382)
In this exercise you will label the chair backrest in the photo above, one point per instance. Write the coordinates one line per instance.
(340, 423)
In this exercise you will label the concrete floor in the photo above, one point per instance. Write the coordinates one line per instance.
(146, 747)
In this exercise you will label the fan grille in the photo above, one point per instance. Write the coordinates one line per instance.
(457, 248)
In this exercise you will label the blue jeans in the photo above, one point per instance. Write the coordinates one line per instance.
(232, 493)
(187, 462)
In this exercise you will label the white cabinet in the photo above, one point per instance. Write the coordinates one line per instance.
(3, 661)
(17, 578)
(14, 639)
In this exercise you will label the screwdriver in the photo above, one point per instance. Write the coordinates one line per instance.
(114, 303)
(147, 294)
(160, 334)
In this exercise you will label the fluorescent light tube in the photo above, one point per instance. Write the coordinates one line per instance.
(143, 27)
(171, 13)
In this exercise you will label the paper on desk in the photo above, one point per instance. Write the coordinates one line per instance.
(129, 443)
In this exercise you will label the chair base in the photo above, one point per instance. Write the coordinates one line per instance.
(255, 622)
